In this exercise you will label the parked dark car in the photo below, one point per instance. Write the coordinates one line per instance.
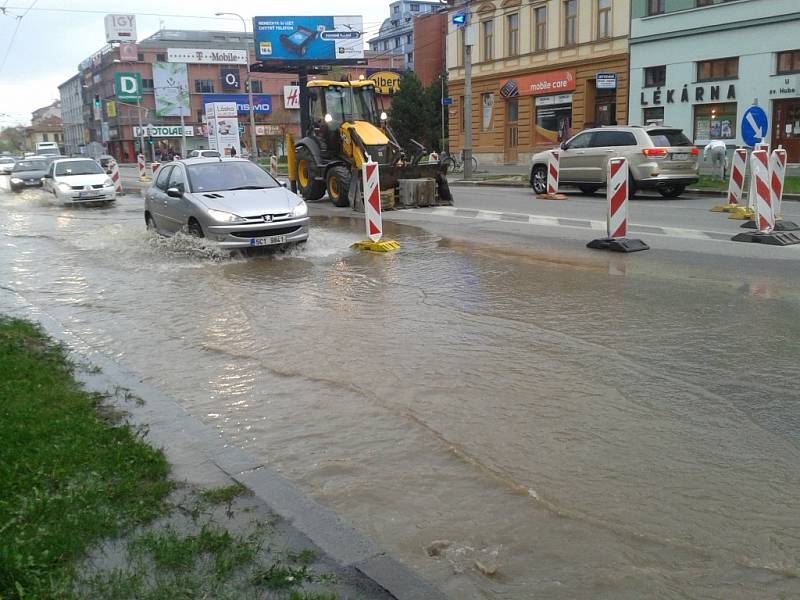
(28, 173)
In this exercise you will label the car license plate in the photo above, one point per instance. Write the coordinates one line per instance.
(268, 241)
(680, 156)
(86, 194)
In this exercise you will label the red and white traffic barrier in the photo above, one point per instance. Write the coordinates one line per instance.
(142, 166)
(552, 171)
(154, 166)
(617, 216)
(372, 201)
(762, 146)
(777, 173)
(738, 172)
(115, 177)
(760, 189)
(273, 165)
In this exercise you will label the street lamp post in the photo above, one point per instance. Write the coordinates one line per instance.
(253, 142)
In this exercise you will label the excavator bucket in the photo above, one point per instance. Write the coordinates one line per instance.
(417, 179)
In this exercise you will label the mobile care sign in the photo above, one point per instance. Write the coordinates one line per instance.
(309, 39)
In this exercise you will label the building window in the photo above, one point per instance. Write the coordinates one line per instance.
(488, 40)
(487, 105)
(715, 121)
(414, 8)
(161, 57)
(200, 114)
(570, 18)
(540, 28)
(147, 84)
(396, 9)
(409, 58)
(715, 70)
(603, 19)
(140, 56)
(655, 76)
(553, 120)
(655, 7)
(397, 42)
(788, 62)
(653, 115)
(204, 86)
(45, 138)
(408, 39)
(257, 89)
(512, 21)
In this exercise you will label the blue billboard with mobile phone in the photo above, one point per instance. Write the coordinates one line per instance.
(317, 39)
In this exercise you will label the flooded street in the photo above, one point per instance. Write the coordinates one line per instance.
(620, 430)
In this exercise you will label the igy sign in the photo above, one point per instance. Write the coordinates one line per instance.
(128, 86)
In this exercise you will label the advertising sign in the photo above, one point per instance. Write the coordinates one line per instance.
(291, 97)
(386, 82)
(207, 56)
(605, 81)
(128, 86)
(262, 103)
(230, 78)
(128, 51)
(223, 128)
(120, 28)
(163, 131)
(552, 82)
(171, 88)
(320, 39)
(111, 109)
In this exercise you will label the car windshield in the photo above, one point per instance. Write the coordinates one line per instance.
(5, 161)
(220, 176)
(78, 167)
(205, 153)
(30, 165)
(669, 137)
(49, 152)
(345, 103)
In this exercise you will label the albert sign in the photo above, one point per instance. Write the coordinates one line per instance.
(128, 86)
(120, 28)
(386, 82)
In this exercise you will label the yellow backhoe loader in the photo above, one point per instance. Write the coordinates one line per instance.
(345, 129)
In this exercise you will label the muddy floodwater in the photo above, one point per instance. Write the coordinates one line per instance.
(512, 426)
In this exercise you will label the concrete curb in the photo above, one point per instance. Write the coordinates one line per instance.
(210, 456)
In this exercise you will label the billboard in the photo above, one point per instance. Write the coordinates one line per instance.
(262, 103)
(312, 39)
(223, 128)
(230, 78)
(120, 28)
(207, 56)
(128, 86)
(171, 87)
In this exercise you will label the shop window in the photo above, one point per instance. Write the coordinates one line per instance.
(788, 62)
(653, 115)
(613, 138)
(715, 121)
(553, 119)
(512, 24)
(715, 70)
(603, 19)
(655, 7)
(488, 39)
(487, 105)
(540, 28)
(204, 86)
(147, 84)
(655, 76)
(570, 22)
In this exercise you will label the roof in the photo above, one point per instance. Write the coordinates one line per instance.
(186, 38)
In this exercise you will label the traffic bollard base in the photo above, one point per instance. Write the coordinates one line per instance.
(741, 213)
(749, 225)
(770, 239)
(618, 245)
(782, 225)
(381, 246)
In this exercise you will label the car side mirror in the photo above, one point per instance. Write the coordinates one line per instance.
(563, 145)
(284, 184)
(174, 192)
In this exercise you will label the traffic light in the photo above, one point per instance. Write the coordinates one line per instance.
(97, 104)
(150, 139)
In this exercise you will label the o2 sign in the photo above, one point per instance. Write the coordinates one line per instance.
(120, 28)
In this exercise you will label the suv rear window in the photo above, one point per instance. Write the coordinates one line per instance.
(669, 137)
(613, 138)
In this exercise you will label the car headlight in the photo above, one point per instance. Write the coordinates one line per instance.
(108, 183)
(64, 187)
(301, 210)
(225, 217)
(16, 180)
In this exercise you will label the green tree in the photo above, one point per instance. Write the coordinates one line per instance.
(12, 139)
(417, 112)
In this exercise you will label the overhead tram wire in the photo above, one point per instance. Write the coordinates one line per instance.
(16, 30)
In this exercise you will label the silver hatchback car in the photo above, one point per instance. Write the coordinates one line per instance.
(660, 158)
(229, 201)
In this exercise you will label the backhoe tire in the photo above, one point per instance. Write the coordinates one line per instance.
(338, 184)
(309, 188)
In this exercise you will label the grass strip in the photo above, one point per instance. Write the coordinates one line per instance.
(791, 185)
(70, 474)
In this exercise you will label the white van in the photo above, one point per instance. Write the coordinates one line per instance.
(47, 149)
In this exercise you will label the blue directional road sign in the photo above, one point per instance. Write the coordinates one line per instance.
(459, 18)
(755, 125)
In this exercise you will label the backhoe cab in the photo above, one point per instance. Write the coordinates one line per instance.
(346, 129)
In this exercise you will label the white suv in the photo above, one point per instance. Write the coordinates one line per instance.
(77, 180)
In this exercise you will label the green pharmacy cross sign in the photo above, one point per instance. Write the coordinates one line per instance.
(128, 87)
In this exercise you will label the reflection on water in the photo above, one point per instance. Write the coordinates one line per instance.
(511, 425)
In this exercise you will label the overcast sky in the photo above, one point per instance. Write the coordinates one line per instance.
(54, 36)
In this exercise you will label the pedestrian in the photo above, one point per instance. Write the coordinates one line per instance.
(233, 152)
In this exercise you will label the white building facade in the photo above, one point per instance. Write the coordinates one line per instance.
(396, 34)
(700, 64)
(71, 92)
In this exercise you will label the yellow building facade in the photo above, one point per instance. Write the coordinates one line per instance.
(542, 70)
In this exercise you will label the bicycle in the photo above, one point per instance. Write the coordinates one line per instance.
(455, 163)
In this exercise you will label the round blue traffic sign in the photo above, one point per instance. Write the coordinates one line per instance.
(755, 125)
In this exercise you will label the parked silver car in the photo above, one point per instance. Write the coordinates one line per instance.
(660, 158)
(229, 201)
